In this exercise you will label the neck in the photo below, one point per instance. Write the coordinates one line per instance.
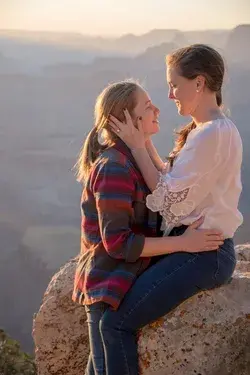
(207, 110)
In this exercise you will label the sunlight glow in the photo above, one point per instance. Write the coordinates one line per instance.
(115, 17)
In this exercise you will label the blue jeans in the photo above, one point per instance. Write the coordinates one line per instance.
(162, 287)
(96, 361)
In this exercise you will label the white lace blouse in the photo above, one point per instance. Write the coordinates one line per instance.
(204, 181)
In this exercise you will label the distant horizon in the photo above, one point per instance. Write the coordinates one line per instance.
(112, 36)
(110, 18)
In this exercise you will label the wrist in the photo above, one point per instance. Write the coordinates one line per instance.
(138, 148)
(180, 243)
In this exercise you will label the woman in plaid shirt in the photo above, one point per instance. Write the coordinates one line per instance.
(120, 236)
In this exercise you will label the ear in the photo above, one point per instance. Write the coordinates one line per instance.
(200, 83)
(136, 122)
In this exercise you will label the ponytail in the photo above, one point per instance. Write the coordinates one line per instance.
(219, 97)
(180, 142)
(88, 155)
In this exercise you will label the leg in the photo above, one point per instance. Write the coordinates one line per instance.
(157, 291)
(90, 368)
(96, 362)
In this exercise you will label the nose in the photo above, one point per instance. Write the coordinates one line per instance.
(157, 110)
(170, 94)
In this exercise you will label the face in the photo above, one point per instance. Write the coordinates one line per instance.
(185, 92)
(148, 112)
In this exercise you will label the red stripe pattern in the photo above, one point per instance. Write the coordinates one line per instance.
(115, 221)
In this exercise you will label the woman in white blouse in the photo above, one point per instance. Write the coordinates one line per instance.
(203, 175)
(201, 178)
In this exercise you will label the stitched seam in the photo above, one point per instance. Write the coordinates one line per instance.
(124, 353)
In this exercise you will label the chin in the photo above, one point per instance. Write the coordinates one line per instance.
(182, 112)
(153, 129)
(156, 129)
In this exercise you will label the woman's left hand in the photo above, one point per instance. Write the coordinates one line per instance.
(127, 131)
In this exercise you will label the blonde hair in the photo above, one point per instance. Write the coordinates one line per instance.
(191, 61)
(111, 101)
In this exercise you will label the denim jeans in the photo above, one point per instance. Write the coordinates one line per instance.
(96, 361)
(164, 285)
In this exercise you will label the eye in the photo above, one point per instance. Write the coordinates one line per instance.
(172, 86)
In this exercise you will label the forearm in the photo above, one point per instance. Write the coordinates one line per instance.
(146, 166)
(140, 246)
(155, 157)
(162, 245)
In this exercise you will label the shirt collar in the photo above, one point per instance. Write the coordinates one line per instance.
(125, 150)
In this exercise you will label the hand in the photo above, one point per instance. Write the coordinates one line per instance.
(197, 240)
(132, 135)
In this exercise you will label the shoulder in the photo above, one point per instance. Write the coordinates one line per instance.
(224, 125)
(112, 156)
(217, 131)
(111, 166)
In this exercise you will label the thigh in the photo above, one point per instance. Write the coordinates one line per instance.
(162, 287)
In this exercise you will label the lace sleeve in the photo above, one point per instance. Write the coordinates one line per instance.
(162, 200)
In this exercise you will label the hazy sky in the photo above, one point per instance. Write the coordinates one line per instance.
(115, 17)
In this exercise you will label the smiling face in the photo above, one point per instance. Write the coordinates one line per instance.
(147, 111)
(185, 92)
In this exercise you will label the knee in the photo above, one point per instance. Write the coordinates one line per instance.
(103, 325)
(105, 330)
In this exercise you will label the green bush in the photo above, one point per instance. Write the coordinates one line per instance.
(12, 360)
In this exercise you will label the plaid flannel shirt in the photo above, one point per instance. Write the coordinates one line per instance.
(115, 222)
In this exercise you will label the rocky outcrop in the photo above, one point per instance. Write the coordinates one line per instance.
(208, 334)
(60, 329)
(243, 252)
(12, 360)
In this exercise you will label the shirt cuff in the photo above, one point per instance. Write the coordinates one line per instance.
(135, 247)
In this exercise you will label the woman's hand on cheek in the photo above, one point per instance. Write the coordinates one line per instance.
(131, 134)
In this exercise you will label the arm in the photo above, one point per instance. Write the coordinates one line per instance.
(149, 166)
(155, 157)
(148, 170)
(162, 245)
(192, 240)
(113, 189)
